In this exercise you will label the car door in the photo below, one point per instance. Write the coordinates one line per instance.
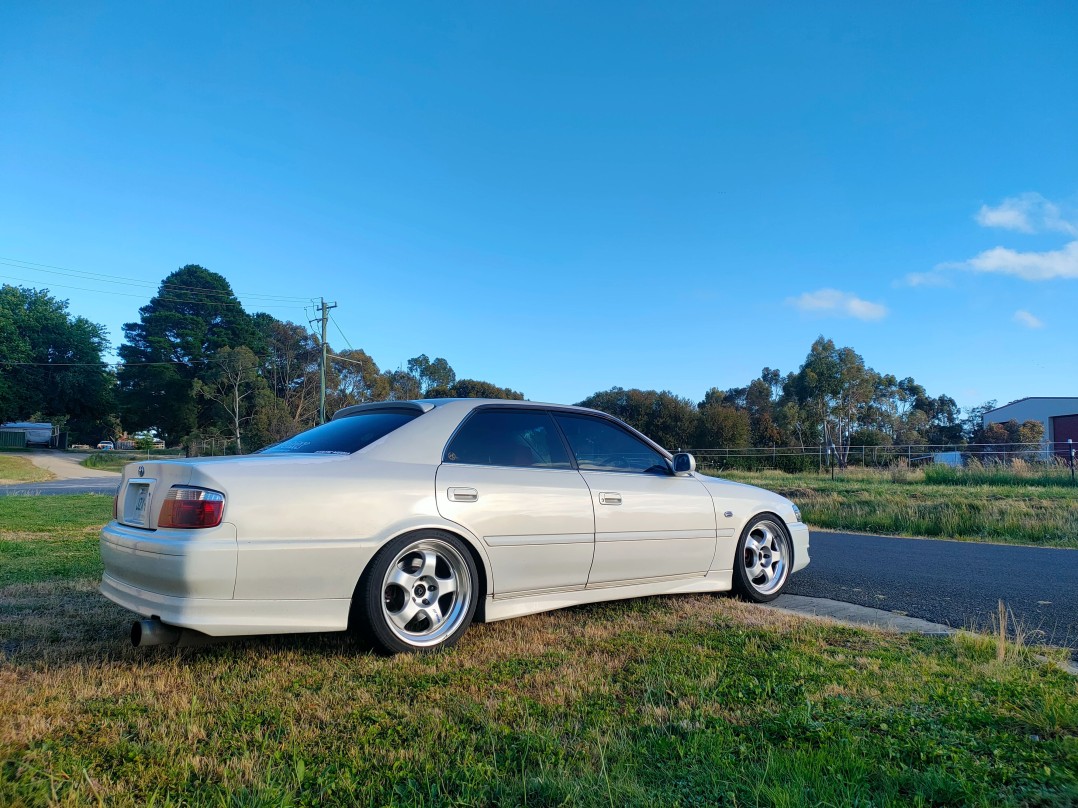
(649, 523)
(506, 477)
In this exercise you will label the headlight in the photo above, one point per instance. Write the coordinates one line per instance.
(797, 512)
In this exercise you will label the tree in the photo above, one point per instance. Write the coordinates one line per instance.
(193, 316)
(1011, 436)
(943, 424)
(232, 383)
(664, 417)
(834, 387)
(429, 375)
(973, 423)
(51, 365)
(720, 424)
(402, 386)
(473, 388)
(358, 379)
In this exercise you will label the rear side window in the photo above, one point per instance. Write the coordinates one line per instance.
(349, 434)
(523, 438)
(602, 446)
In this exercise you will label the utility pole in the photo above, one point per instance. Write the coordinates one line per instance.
(324, 308)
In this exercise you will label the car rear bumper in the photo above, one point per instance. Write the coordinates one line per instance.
(230, 618)
(178, 563)
(188, 580)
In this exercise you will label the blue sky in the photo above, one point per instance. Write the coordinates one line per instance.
(563, 197)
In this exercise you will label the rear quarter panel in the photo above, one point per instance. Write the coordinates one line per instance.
(307, 531)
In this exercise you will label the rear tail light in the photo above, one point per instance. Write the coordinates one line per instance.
(187, 507)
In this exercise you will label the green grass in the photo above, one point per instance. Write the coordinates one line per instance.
(904, 503)
(694, 700)
(50, 537)
(1017, 473)
(116, 460)
(21, 470)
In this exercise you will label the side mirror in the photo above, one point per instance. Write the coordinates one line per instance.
(683, 464)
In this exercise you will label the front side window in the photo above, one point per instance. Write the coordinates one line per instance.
(344, 436)
(522, 438)
(601, 446)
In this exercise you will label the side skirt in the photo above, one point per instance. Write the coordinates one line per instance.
(503, 609)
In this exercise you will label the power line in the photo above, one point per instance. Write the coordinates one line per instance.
(121, 363)
(107, 278)
(132, 294)
(346, 342)
(345, 359)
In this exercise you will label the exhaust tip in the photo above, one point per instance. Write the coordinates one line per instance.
(153, 632)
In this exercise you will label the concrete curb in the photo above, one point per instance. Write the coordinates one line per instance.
(856, 615)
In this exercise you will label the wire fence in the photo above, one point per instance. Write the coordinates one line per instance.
(815, 458)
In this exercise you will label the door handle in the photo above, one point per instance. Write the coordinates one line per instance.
(609, 498)
(463, 494)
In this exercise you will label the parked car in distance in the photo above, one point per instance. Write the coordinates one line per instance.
(105, 446)
(406, 520)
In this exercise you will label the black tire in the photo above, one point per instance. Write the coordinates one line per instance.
(764, 559)
(418, 594)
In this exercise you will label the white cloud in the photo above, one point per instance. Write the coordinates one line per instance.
(925, 279)
(1030, 266)
(838, 304)
(1023, 317)
(1026, 213)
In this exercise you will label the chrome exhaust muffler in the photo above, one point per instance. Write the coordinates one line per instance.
(153, 632)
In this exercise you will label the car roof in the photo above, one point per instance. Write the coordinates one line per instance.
(466, 405)
(428, 404)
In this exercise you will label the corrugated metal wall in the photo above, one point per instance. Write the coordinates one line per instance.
(13, 439)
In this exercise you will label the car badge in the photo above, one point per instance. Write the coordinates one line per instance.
(141, 471)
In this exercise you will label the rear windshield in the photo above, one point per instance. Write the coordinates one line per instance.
(349, 434)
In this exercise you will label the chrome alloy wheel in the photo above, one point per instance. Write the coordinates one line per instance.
(766, 557)
(426, 592)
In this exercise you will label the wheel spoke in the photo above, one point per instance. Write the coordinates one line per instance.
(430, 564)
(405, 615)
(434, 615)
(768, 572)
(752, 544)
(405, 580)
(447, 585)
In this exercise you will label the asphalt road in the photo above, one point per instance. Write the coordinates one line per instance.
(89, 485)
(955, 583)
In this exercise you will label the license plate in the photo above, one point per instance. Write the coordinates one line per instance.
(138, 504)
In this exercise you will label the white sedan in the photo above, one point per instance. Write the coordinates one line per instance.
(406, 520)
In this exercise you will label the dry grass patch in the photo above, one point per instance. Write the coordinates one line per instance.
(21, 470)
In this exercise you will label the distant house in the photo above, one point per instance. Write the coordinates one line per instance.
(26, 433)
(1059, 416)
